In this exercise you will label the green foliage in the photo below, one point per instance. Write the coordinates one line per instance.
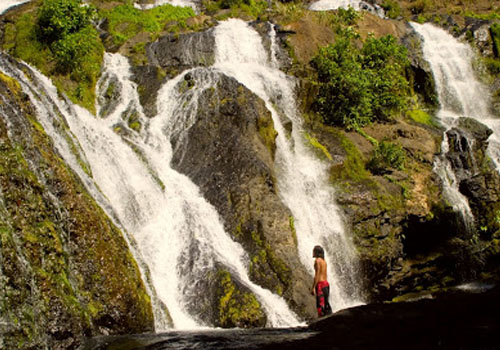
(357, 86)
(238, 8)
(125, 21)
(288, 12)
(391, 8)
(59, 18)
(387, 155)
(485, 16)
(420, 6)
(60, 41)
(73, 51)
(348, 16)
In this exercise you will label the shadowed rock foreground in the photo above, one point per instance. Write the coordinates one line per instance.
(453, 321)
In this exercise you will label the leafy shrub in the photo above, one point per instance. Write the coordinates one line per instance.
(348, 16)
(79, 53)
(59, 18)
(391, 8)
(357, 86)
(385, 156)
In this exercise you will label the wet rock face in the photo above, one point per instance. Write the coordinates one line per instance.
(66, 271)
(228, 152)
(479, 181)
(183, 51)
(467, 143)
(423, 79)
(169, 56)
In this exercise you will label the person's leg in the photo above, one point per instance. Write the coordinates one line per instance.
(320, 301)
(327, 309)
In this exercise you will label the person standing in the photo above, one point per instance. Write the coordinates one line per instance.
(320, 287)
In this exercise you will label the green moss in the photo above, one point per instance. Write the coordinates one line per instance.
(125, 21)
(237, 308)
(318, 147)
(11, 83)
(291, 221)
(421, 117)
(353, 167)
(495, 37)
(493, 15)
(266, 256)
(267, 132)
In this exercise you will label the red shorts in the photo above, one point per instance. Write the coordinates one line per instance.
(322, 294)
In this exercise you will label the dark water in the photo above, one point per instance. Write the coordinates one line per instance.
(205, 339)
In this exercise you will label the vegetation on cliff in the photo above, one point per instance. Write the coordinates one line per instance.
(66, 270)
(358, 86)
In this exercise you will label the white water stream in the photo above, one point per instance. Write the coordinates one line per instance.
(358, 5)
(7, 4)
(181, 3)
(302, 178)
(460, 95)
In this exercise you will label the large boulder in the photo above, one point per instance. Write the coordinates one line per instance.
(467, 147)
(228, 152)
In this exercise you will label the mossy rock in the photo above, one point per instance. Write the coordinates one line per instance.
(237, 307)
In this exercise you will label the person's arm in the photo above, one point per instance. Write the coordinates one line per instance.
(316, 277)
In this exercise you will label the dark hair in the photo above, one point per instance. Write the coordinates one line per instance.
(318, 252)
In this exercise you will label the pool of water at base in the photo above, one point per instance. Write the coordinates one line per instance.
(210, 339)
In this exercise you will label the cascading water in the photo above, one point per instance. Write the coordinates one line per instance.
(325, 5)
(7, 4)
(460, 95)
(178, 234)
(302, 178)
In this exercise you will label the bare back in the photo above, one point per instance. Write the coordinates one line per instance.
(320, 270)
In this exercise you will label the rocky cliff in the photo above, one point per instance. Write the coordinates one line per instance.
(66, 270)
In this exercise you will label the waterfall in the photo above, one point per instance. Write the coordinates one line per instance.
(460, 95)
(181, 3)
(302, 178)
(7, 4)
(95, 153)
(326, 5)
(177, 232)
